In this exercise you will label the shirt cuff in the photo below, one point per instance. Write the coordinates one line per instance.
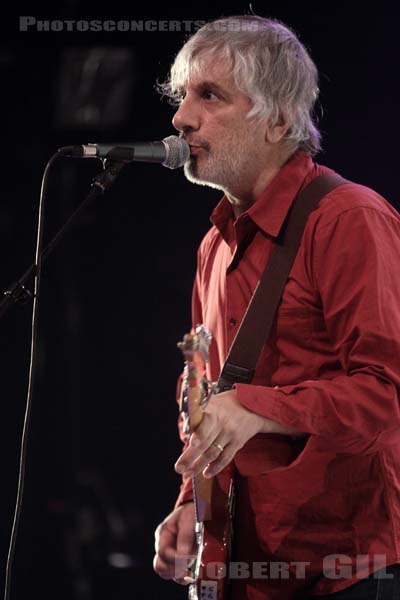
(267, 402)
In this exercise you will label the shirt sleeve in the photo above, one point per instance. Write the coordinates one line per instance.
(356, 258)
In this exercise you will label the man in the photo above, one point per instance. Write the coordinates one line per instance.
(315, 437)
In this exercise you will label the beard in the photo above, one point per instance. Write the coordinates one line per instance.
(224, 165)
(214, 171)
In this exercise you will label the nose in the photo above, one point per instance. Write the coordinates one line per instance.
(187, 116)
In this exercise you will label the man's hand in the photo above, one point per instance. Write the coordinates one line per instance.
(225, 428)
(175, 544)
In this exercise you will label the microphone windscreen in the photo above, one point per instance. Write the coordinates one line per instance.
(178, 152)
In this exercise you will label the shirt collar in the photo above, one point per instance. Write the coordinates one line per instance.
(270, 209)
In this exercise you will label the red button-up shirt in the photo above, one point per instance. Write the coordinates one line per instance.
(331, 369)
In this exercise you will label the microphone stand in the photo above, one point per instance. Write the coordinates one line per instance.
(19, 293)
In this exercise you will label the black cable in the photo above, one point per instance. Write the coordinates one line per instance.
(32, 371)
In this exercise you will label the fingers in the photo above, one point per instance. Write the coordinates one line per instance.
(206, 442)
(163, 568)
(210, 461)
(175, 545)
(225, 428)
(186, 542)
(200, 443)
(222, 461)
(178, 569)
(206, 445)
(164, 560)
(183, 581)
(204, 435)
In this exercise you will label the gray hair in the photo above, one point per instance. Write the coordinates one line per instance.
(268, 63)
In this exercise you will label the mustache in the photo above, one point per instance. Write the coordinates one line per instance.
(196, 141)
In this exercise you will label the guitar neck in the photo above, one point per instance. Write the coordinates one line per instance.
(195, 350)
(202, 487)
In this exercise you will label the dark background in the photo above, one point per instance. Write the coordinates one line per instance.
(116, 294)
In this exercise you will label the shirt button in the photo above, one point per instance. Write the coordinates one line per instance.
(232, 322)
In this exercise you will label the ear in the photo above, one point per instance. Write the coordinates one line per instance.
(275, 133)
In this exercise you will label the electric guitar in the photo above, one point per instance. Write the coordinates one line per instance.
(213, 500)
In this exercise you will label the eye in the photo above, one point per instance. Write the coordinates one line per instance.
(179, 95)
(207, 94)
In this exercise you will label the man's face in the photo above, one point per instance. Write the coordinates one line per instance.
(212, 119)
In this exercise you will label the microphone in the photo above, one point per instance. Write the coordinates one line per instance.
(171, 152)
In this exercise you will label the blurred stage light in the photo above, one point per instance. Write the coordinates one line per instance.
(94, 90)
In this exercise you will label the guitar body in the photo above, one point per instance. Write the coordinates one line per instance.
(213, 498)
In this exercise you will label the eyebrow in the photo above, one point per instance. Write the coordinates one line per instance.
(212, 86)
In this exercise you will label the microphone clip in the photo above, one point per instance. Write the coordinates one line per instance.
(104, 180)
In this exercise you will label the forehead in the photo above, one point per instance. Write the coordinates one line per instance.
(206, 70)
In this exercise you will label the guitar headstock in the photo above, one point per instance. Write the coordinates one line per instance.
(195, 349)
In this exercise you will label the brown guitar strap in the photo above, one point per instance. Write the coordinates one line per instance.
(257, 322)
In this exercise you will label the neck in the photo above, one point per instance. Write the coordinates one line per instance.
(247, 195)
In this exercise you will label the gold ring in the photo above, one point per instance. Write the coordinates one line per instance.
(220, 448)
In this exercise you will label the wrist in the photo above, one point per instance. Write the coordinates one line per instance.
(270, 426)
